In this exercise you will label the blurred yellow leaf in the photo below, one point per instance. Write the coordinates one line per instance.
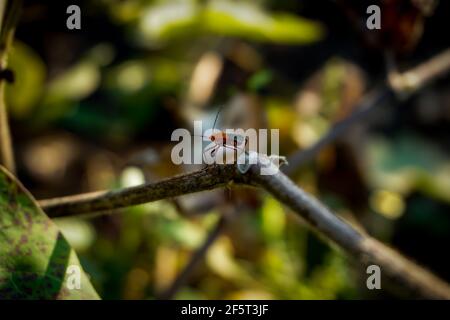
(247, 20)
(79, 233)
(30, 75)
(168, 19)
(389, 204)
(220, 259)
(227, 18)
(76, 83)
(273, 219)
(166, 267)
(249, 295)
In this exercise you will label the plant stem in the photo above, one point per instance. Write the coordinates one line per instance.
(9, 16)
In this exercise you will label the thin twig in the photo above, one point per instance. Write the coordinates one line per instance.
(368, 105)
(412, 80)
(9, 15)
(400, 84)
(195, 259)
(2, 11)
(209, 178)
(181, 279)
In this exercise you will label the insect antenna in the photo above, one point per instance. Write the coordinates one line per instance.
(217, 117)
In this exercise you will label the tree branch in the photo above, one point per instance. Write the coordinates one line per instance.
(366, 107)
(366, 249)
(209, 178)
(399, 84)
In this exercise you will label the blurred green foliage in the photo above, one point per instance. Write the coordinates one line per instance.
(95, 110)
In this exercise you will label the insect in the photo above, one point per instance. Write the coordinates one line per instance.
(225, 147)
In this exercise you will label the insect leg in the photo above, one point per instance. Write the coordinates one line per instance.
(212, 151)
(212, 147)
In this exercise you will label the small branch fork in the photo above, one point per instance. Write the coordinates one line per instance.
(398, 269)
(399, 84)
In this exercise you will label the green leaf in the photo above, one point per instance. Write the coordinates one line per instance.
(259, 80)
(273, 219)
(34, 255)
(28, 88)
(167, 20)
(246, 20)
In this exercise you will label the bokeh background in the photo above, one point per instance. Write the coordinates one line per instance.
(94, 109)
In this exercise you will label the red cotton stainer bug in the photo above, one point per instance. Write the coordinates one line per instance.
(225, 147)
